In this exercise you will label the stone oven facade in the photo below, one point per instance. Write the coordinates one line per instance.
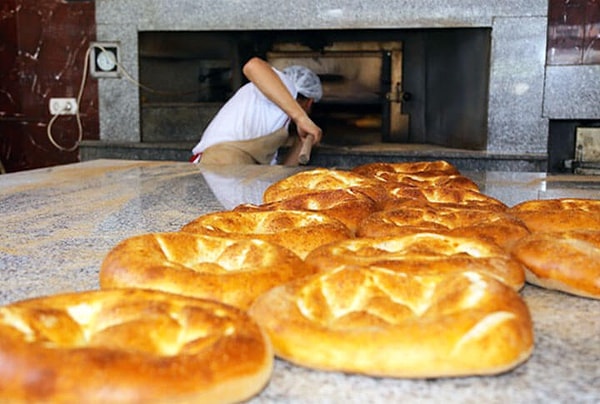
(521, 95)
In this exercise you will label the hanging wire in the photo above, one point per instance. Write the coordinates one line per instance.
(80, 95)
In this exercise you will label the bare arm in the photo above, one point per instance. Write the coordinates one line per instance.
(268, 82)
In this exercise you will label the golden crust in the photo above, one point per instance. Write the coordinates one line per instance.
(323, 179)
(345, 205)
(559, 214)
(452, 197)
(230, 271)
(498, 227)
(567, 261)
(588, 205)
(422, 174)
(428, 180)
(439, 167)
(299, 231)
(422, 252)
(130, 345)
(384, 323)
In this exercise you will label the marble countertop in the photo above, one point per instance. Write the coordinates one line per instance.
(58, 223)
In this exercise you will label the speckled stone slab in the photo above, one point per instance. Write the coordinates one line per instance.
(58, 224)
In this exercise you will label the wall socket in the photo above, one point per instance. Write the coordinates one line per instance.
(63, 106)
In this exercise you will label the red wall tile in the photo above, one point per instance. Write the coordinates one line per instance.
(573, 32)
(591, 41)
(43, 53)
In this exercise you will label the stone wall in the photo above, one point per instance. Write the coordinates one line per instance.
(524, 93)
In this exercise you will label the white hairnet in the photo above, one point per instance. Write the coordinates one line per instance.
(307, 82)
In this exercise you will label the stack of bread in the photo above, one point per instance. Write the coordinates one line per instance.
(425, 287)
(397, 270)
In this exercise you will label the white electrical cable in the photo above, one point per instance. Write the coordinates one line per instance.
(80, 94)
(145, 87)
(77, 114)
(128, 76)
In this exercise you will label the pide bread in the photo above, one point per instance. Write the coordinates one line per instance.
(559, 214)
(399, 270)
(424, 174)
(400, 196)
(428, 180)
(228, 270)
(299, 231)
(130, 346)
(346, 205)
(322, 179)
(568, 261)
(447, 254)
(498, 227)
(437, 167)
(384, 323)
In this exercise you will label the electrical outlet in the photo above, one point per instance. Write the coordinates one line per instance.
(63, 106)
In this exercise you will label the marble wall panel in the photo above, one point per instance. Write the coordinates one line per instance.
(44, 44)
(573, 32)
(515, 120)
(155, 15)
(591, 40)
(572, 92)
(118, 98)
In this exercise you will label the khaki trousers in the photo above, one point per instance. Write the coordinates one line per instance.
(255, 151)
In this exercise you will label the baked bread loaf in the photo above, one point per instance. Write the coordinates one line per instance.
(559, 214)
(130, 346)
(400, 196)
(230, 271)
(299, 231)
(447, 254)
(346, 205)
(568, 261)
(438, 167)
(323, 179)
(384, 323)
(417, 174)
(498, 227)
(427, 180)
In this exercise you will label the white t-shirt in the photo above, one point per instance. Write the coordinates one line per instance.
(247, 115)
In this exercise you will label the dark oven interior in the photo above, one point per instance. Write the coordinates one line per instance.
(403, 86)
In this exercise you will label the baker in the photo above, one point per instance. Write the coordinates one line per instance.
(254, 123)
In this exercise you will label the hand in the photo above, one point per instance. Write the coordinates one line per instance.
(309, 134)
(305, 127)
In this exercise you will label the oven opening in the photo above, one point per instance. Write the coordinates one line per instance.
(362, 88)
(422, 86)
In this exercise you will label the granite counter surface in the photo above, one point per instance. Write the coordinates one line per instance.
(58, 223)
